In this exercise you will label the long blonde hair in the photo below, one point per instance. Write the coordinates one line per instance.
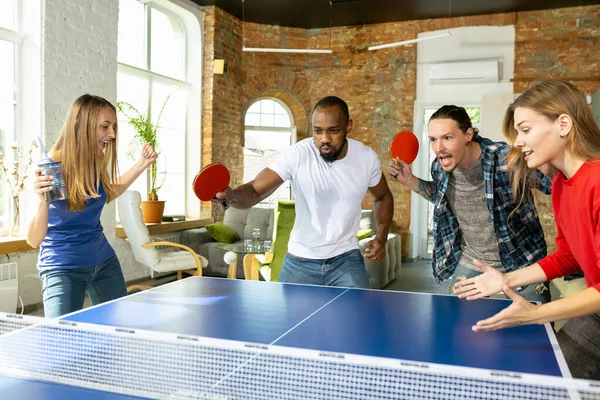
(551, 98)
(77, 146)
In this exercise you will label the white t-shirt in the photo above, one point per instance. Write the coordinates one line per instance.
(328, 196)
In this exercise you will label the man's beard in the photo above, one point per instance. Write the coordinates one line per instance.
(333, 155)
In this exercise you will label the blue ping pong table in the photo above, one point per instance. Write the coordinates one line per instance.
(326, 342)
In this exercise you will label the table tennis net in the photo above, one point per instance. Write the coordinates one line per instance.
(172, 366)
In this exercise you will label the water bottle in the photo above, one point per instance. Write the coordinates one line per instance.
(256, 239)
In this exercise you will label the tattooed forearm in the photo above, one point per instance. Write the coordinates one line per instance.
(425, 190)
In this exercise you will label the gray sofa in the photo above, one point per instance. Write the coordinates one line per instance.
(245, 221)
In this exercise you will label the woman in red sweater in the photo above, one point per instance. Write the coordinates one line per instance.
(552, 124)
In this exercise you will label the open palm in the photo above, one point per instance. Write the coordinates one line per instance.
(520, 312)
(490, 282)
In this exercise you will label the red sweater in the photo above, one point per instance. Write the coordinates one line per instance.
(576, 203)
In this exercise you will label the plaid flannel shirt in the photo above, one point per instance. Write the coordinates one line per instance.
(520, 239)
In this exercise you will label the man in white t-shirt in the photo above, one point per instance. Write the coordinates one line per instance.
(330, 177)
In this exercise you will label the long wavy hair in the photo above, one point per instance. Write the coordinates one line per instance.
(551, 98)
(84, 167)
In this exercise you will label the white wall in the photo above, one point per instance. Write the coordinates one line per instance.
(493, 109)
(465, 44)
(79, 55)
(475, 43)
(78, 47)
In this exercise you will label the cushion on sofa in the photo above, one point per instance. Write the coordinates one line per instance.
(245, 221)
(222, 233)
(364, 233)
(367, 221)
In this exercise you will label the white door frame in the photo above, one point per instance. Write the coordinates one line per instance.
(420, 168)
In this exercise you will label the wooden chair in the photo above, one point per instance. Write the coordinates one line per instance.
(144, 246)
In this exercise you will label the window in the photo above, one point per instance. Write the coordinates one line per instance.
(10, 40)
(153, 66)
(269, 128)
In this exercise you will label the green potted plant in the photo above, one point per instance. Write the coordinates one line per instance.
(145, 131)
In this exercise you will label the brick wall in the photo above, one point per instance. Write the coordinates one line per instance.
(378, 86)
(222, 117)
(562, 43)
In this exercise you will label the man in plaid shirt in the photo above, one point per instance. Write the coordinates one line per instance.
(475, 218)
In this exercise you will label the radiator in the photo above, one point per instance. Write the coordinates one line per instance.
(175, 238)
(9, 287)
(167, 237)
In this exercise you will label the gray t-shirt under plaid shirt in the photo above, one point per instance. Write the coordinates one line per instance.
(520, 238)
(466, 197)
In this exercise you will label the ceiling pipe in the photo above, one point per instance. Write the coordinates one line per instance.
(279, 50)
(411, 41)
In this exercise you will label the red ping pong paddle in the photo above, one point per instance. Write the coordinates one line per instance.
(404, 146)
(212, 179)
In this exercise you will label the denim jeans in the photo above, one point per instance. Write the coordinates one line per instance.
(534, 292)
(345, 270)
(63, 290)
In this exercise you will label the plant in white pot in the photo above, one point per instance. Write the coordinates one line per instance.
(145, 131)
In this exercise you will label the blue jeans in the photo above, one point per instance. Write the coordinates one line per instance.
(534, 292)
(345, 270)
(63, 290)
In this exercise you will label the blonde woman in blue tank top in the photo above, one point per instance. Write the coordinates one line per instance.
(75, 256)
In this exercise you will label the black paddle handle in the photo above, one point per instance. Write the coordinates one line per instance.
(224, 203)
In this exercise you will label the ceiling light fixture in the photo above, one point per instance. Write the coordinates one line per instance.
(411, 41)
(277, 49)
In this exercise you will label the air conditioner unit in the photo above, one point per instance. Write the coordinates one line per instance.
(463, 72)
(9, 287)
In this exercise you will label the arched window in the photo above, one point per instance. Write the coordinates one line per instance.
(269, 128)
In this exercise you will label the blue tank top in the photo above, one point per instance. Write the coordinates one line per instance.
(75, 239)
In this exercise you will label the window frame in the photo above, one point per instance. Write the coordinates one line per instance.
(151, 77)
(15, 37)
(268, 202)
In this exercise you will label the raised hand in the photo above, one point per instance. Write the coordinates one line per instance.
(225, 194)
(399, 171)
(224, 198)
(490, 282)
(148, 155)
